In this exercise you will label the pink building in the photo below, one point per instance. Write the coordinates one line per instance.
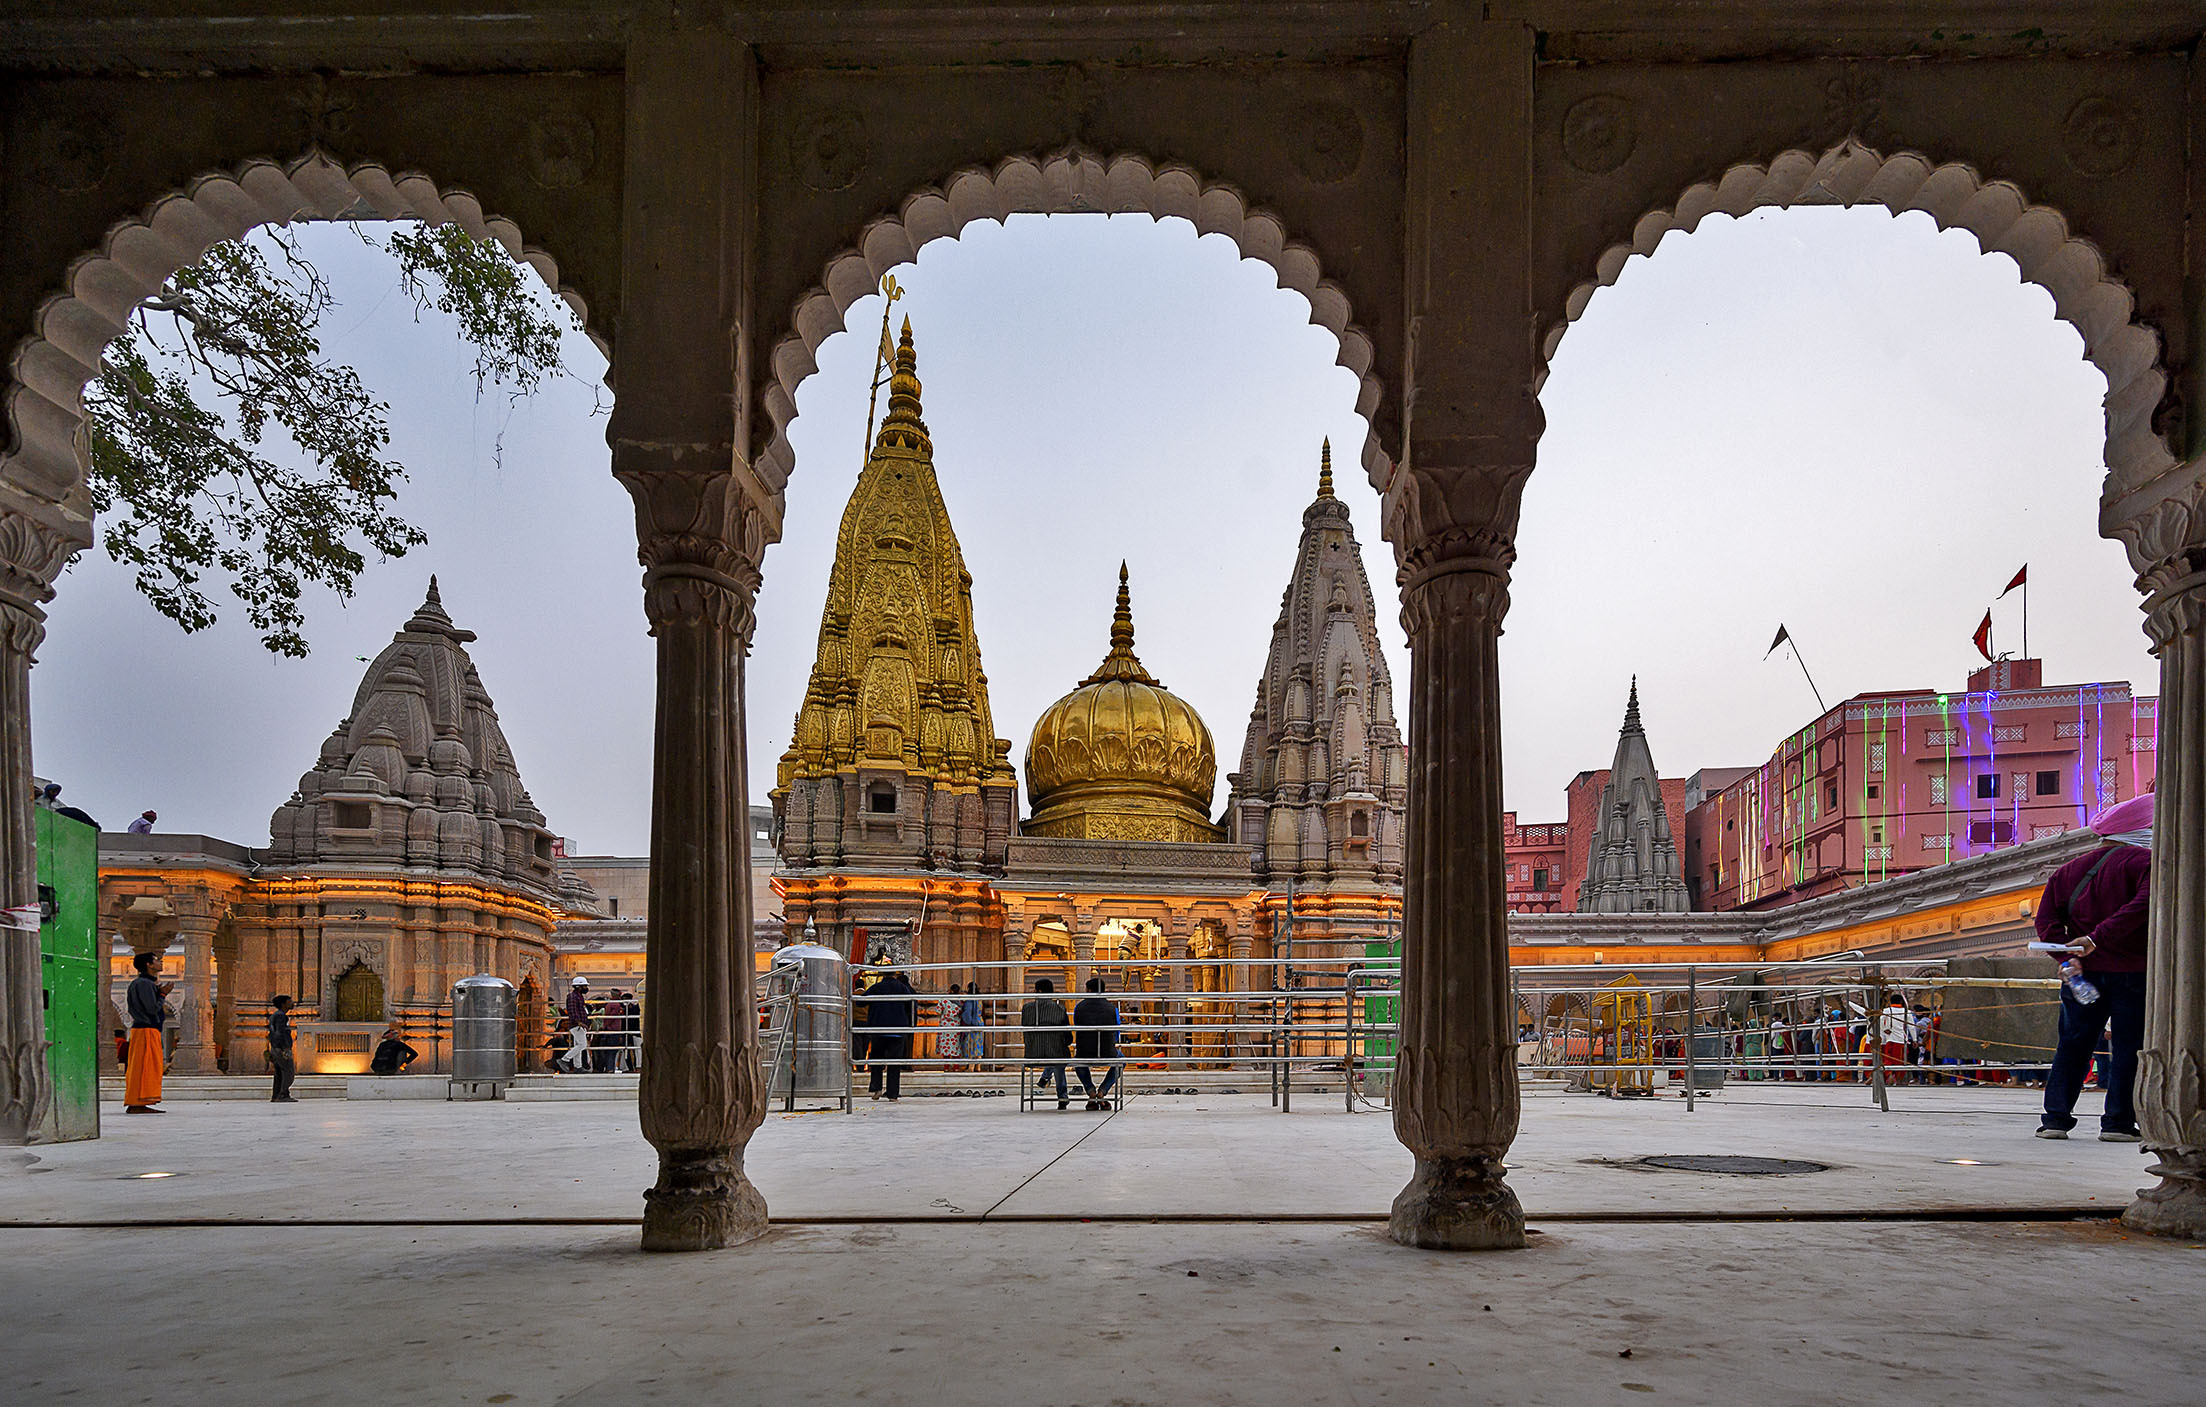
(1535, 859)
(1889, 783)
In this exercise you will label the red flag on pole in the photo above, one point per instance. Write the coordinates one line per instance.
(1983, 638)
(2021, 578)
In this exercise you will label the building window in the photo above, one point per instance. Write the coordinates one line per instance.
(612, 906)
(1942, 737)
(1876, 833)
(1991, 832)
(2144, 742)
(1937, 842)
(1878, 852)
(1830, 796)
(2012, 733)
(1359, 824)
(1987, 786)
(2021, 782)
(1539, 879)
(1876, 757)
(1938, 791)
(881, 801)
(1875, 791)
(2048, 784)
(2081, 728)
(351, 815)
(2047, 832)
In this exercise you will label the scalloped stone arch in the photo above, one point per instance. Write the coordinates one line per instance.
(44, 396)
(1070, 182)
(2085, 294)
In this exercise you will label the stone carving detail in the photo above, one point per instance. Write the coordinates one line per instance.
(327, 111)
(1853, 105)
(1599, 133)
(2101, 136)
(72, 153)
(562, 147)
(1330, 145)
(829, 149)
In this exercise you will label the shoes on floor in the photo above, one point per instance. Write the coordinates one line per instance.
(2120, 1136)
(1064, 1103)
(284, 1099)
(2052, 1133)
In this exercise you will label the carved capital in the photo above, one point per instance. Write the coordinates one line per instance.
(1455, 581)
(2176, 607)
(1439, 509)
(701, 540)
(2161, 524)
(32, 554)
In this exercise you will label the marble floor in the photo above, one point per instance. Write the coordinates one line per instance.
(1189, 1249)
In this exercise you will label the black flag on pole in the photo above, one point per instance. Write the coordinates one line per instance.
(1782, 638)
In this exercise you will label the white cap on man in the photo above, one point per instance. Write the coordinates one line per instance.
(582, 981)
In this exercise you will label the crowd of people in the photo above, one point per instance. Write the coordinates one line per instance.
(596, 1035)
(885, 1026)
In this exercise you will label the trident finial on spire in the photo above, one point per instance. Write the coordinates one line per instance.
(1325, 469)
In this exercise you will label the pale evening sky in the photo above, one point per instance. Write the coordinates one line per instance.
(1843, 421)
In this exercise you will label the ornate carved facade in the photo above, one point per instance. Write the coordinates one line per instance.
(895, 759)
(410, 856)
(1324, 772)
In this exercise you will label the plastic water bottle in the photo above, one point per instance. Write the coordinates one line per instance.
(2082, 988)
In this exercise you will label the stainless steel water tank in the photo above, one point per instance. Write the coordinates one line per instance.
(820, 1046)
(483, 1014)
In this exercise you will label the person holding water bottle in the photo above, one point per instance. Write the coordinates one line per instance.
(2092, 919)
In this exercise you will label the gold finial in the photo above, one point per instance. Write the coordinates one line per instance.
(1122, 619)
(1325, 469)
(903, 384)
(1121, 662)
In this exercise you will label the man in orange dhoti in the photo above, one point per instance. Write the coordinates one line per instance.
(145, 1058)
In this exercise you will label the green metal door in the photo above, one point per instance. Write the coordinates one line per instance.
(68, 893)
(1381, 1010)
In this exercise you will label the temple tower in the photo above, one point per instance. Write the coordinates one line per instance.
(1632, 867)
(894, 769)
(409, 857)
(1324, 773)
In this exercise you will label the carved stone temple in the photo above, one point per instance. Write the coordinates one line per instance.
(1324, 779)
(897, 807)
(1448, 185)
(1633, 864)
(409, 857)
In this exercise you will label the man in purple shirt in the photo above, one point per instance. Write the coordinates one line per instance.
(2098, 903)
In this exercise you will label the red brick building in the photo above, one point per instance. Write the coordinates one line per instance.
(1889, 783)
(1885, 784)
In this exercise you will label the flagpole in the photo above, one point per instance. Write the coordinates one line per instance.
(1821, 707)
(890, 291)
(2025, 616)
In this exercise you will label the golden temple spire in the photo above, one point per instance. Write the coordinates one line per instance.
(1121, 662)
(903, 389)
(1325, 469)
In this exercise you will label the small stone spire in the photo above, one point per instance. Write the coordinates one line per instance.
(1121, 662)
(430, 617)
(1325, 469)
(1631, 710)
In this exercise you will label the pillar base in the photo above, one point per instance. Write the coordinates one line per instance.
(701, 1204)
(1458, 1204)
(2177, 1207)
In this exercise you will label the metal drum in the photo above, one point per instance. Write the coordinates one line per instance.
(819, 1048)
(483, 1014)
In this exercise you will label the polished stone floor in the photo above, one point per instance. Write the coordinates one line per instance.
(1217, 1155)
(955, 1251)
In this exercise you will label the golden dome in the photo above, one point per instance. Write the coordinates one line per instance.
(1122, 757)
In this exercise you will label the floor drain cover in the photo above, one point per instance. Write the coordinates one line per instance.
(1732, 1163)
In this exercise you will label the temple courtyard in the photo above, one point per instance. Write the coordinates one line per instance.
(1187, 1249)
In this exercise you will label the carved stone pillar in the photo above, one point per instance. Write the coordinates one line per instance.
(194, 997)
(2171, 1070)
(680, 437)
(1178, 979)
(1455, 1091)
(702, 1093)
(1083, 948)
(31, 554)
